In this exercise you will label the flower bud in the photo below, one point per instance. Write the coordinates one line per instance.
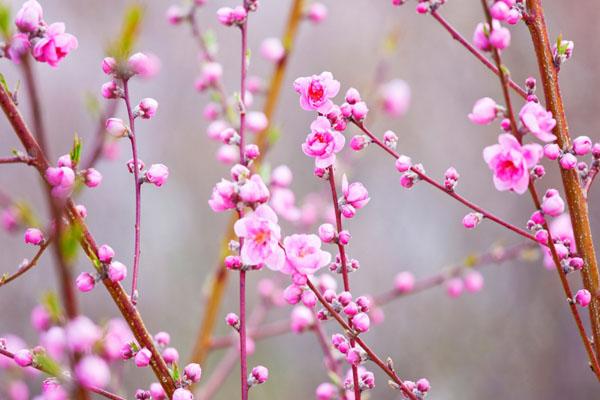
(568, 161)
(193, 372)
(582, 145)
(34, 236)
(85, 282)
(403, 163)
(583, 297)
(361, 322)
(116, 271)
(157, 174)
(142, 358)
(116, 127)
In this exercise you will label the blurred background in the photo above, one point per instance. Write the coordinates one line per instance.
(515, 339)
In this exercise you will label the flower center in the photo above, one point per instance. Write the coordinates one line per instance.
(316, 91)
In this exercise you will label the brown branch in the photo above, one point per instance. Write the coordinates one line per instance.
(24, 268)
(574, 195)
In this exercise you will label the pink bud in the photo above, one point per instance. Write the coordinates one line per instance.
(423, 385)
(40, 318)
(327, 233)
(422, 7)
(232, 320)
(144, 65)
(85, 282)
(471, 220)
(577, 263)
(251, 152)
(233, 262)
(256, 121)
(454, 287)
(583, 297)
(193, 372)
(352, 96)
(317, 12)
(157, 391)
(29, 17)
(596, 150)
(175, 14)
(260, 374)
(81, 210)
(281, 176)
(500, 37)
(404, 282)
(272, 49)
(65, 161)
(309, 299)
(568, 161)
(292, 294)
(354, 356)
(513, 17)
(109, 65)
(361, 322)
(403, 163)
(326, 391)
(105, 253)
(542, 236)
(301, 319)
(182, 394)
(344, 237)
(552, 151)
(92, 371)
(351, 309)
(93, 178)
(142, 358)
(499, 11)
(23, 358)
(34, 236)
(359, 142)
(170, 355)
(473, 281)
(109, 90)
(162, 339)
(360, 110)
(553, 204)
(157, 174)
(390, 139)
(117, 271)
(484, 111)
(116, 127)
(147, 108)
(582, 145)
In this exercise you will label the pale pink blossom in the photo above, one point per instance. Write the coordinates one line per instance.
(552, 203)
(316, 91)
(82, 334)
(144, 65)
(395, 96)
(157, 174)
(18, 46)
(261, 235)
(538, 121)
(404, 282)
(29, 17)
(355, 197)
(254, 190)
(323, 143)
(473, 281)
(34, 236)
(92, 371)
(304, 255)
(301, 319)
(560, 229)
(272, 49)
(256, 121)
(484, 111)
(223, 196)
(317, 12)
(283, 202)
(510, 162)
(55, 45)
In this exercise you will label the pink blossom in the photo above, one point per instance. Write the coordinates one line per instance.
(157, 174)
(316, 91)
(261, 236)
(229, 16)
(484, 111)
(85, 282)
(583, 297)
(361, 322)
(144, 65)
(473, 281)
(40, 318)
(582, 145)
(142, 358)
(395, 96)
(105, 253)
(29, 17)
(170, 355)
(272, 49)
(254, 190)
(23, 358)
(510, 162)
(568, 161)
(283, 202)
(317, 12)
(175, 14)
(561, 229)
(256, 121)
(404, 282)
(454, 287)
(118, 334)
(55, 45)
(500, 36)
(223, 196)
(227, 154)
(552, 151)
(538, 121)
(82, 334)
(553, 204)
(304, 255)
(480, 38)
(93, 178)
(355, 197)
(323, 143)
(471, 220)
(193, 372)
(281, 176)
(259, 374)
(18, 46)
(327, 233)
(92, 371)
(301, 319)
(116, 271)
(326, 391)
(116, 127)
(147, 108)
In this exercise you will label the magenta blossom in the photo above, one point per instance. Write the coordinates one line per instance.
(538, 121)
(510, 162)
(261, 235)
(355, 197)
(55, 45)
(323, 142)
(316, 91)
(304, 255)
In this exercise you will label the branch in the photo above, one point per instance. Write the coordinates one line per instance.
(26, 267)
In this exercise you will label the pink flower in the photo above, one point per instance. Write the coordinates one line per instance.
(117, 271)
(316, 91)
(283, 202)
(256, 121)
(29, 17)
(538, 121)
(583, 297)
(259, 374)
(93, 178)
(500, 36)
(355, 197)
(454, 287)
(404, 282)
(82, 334)
(301, 319)
(473, 281)
(317, 12)
(116, 127)
(272, 49)
(18, 46)
(23, 358)
(157, 174)
(105, 253)
(254, 190)
(55, 45)
(40, 318)
(326, 391)
(322, 143)
(193, 372)
(92, 371)
(223, 196)
(142, 358)
(471, 220)
(553, 204)
(361, 322)
(395, 96)
(144, 65)
(261, 236)
(561, 229)
(484, 111)
(480, 38)
(282, 176)
(85, 282)
(510, 162)
(304, 255)
(147, 108)
(182, 394)
(54, 340)
(34, 236)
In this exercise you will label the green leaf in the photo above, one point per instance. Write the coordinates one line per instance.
(5, 20)
(76, 150)
(273, 135)
(3, 83)
(26, 214)
(175, 373)
(52, 305)
(69, 242)
(47, 364)
(210, 41)
(265, 171)
(122, 47)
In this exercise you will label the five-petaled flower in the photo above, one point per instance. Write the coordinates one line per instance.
(316, 91)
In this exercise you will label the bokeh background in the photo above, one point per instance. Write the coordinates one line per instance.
(515, 339)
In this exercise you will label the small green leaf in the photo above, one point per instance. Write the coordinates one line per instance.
(3, 83)
(47, 364)
(265, 171)
(26, 214)
(69, 242)
(273, 135)
(5, 20)
(175, 373)
(52, 305)
(122, 47)
(210, 41)
(76, 150)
